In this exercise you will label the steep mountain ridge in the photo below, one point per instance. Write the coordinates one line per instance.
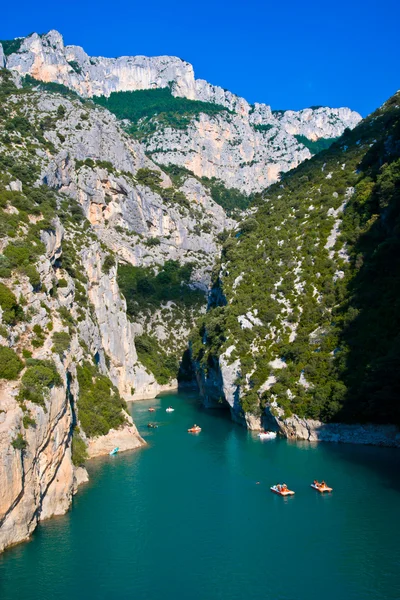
(309, 333)
(246, 147)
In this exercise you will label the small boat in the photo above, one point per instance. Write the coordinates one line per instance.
(321, 487)
(194, 429)
(169, 409)
(151, 409)
(281, 490)
(267, 435)
(152, 425)
(114, 451)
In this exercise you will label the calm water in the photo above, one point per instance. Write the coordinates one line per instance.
(184, 518)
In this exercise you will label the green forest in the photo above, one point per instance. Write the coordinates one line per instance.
(143, 105)
(327, 306)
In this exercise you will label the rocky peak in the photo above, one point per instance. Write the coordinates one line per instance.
(47, 59)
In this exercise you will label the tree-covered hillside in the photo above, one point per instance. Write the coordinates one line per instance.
(141, 106)
(308, 287)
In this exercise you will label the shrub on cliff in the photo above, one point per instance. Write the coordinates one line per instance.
(38, 379)
(99, 404)
(61, 342)
(19, 442)
(79, 450)
(109, 263)
(10, 364)
(12, 312)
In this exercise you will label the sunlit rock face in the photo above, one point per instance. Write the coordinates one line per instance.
(46, 58)
(247, 146)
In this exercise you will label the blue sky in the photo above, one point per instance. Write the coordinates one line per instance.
(287, 54)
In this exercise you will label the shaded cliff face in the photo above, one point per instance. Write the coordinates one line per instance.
(304, 326)
(246, 146)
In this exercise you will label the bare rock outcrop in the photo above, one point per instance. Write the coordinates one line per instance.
(311, 430)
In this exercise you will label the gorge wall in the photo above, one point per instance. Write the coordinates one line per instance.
(302, 331)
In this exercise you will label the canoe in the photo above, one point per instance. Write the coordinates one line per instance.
(114, 451)
(281, 492)
(321, 488)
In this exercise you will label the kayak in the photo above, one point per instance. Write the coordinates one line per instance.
(281, 490)
(267, 435)
(114, 451)
(321, 487)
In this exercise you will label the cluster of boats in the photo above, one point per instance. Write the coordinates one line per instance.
(194, 429)
(282, 489)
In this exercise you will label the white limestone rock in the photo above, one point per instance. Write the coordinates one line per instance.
(47, 59)
(227, 145)
(295, 427)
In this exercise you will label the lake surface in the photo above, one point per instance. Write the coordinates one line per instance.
(184, 518)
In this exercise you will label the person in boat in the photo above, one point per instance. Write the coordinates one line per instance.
(316, 482)
(323, 484)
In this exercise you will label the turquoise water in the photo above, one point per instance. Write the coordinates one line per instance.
(184, 518)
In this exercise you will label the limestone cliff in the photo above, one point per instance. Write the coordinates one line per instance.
(247, 146)
(38, 476)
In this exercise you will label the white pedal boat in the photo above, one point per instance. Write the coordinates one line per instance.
(267, 435)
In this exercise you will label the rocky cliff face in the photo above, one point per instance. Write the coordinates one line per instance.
(46, 58)
(247, 147)
(39, 477)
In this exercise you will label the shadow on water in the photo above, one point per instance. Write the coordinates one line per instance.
(385, 462)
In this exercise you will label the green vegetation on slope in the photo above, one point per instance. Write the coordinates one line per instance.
(11, 46)
(38, 379)
(170, 111)
(99, 404)
(145, 291)
(328, 307)
(50, 86)
(10, 364)
(232, 200)
(317, 146)
(152, 356)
